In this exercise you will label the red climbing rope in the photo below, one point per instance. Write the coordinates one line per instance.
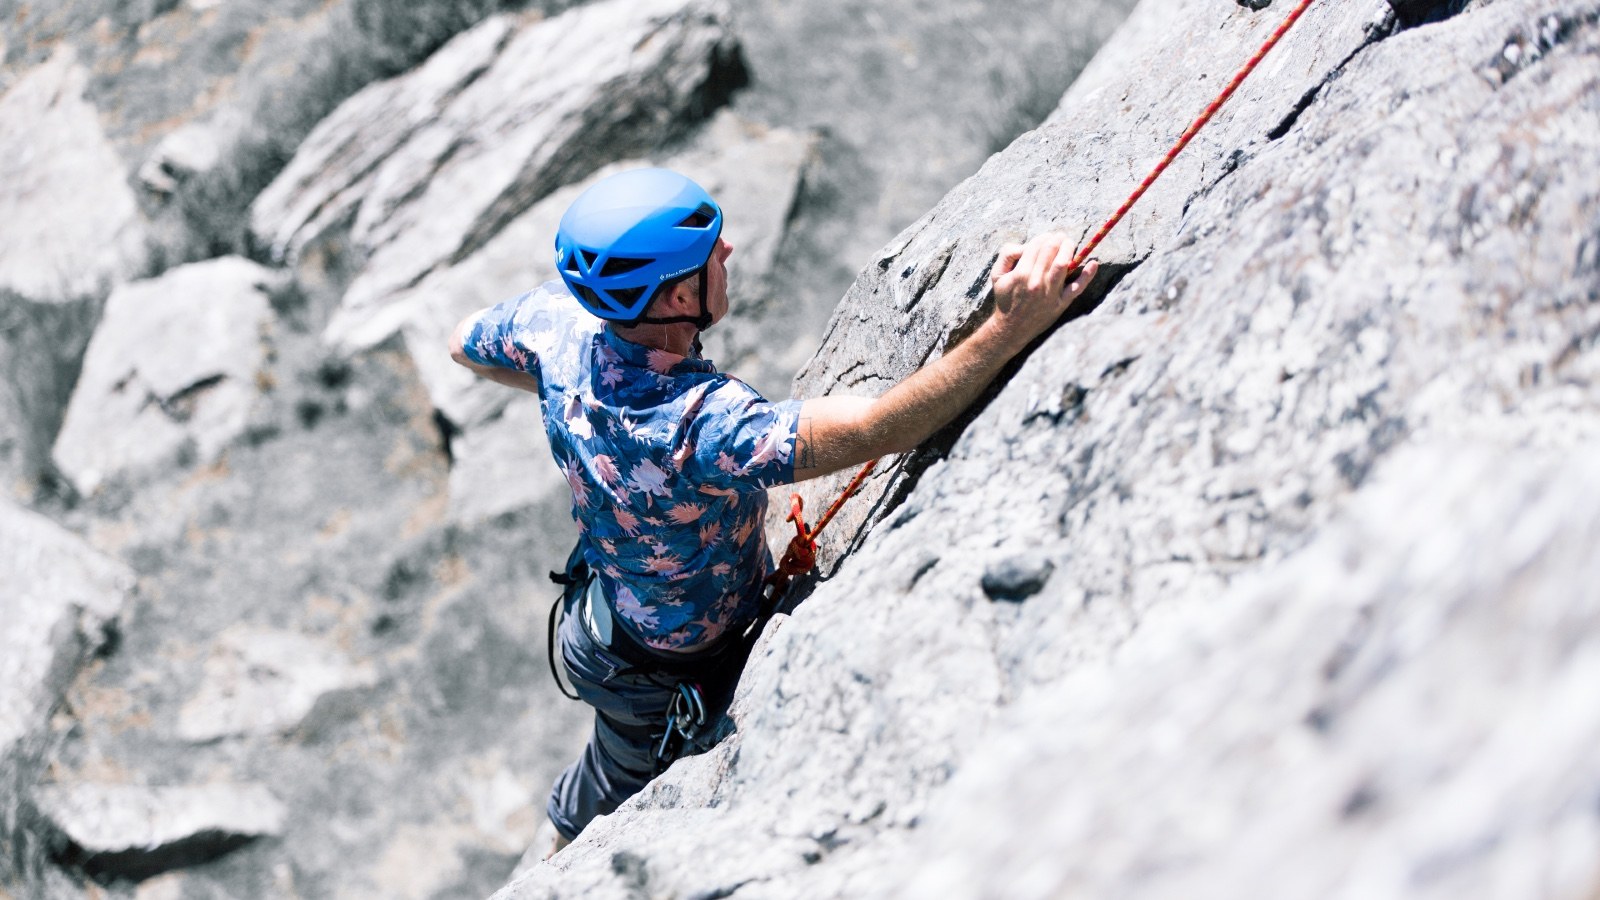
(801, 554)
(1194, 127)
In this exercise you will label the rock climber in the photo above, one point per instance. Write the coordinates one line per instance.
(668, 460)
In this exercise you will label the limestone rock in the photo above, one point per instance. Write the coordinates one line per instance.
(74, 227)
(41, 351)
(429, 167)
(59, 602)
(910, 98)
(1325, 441)
(265, 681)
(503, 465)
(190, 150)
(337, 164)
(133, 832)
(141, 398)
(1397, 710)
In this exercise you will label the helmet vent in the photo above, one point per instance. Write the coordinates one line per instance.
(589, 296)
(588, 258)
(700, 218)
(626, 296)
(622, 265)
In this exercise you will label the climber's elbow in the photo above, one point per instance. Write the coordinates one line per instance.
(458, 342)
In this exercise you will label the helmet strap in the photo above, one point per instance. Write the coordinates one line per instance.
(700, 322)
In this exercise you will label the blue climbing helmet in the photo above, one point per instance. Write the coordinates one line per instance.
(630, 234)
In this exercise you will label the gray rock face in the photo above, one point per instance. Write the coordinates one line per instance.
(327, 179)
(910, 97)
(430, 166)
(141, 399)
(59, 600)
(132, 832)
(260, 681)
(74, 226)
(499, 467)
(60, 604)
(1397, 710)
(188, 151)
(41, 352)
(1314, 482)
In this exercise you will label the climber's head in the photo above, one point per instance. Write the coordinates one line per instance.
(645, 246)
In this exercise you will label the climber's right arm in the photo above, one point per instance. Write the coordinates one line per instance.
(1030, 291)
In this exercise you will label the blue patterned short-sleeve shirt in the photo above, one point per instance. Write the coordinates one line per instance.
(667, 458)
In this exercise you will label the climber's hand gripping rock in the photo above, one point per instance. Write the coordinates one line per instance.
(1031, 292)
(1031, 288)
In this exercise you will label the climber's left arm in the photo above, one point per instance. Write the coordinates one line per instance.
(1031, 292)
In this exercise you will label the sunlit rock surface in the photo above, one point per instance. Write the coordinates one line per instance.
(430, 166)
(131, 832)
(260, 681)
(60, 600)
(72, 223)
(61, 604)
(175, 367)
(1269, 575)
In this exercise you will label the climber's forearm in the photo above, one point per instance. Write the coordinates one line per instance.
(1031, 292)
(931, 397)
(839, 432)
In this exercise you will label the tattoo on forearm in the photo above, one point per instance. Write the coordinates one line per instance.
(805, 456)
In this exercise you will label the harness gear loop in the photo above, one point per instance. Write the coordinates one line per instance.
(801, 554)
(685, 717)
(572, 579)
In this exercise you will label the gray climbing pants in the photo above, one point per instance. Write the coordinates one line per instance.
(631, 690)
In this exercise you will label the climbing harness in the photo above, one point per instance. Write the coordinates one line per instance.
(801, 555)
(572, 579)
(687, 710)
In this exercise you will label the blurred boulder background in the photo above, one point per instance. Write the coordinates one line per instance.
(273, 569)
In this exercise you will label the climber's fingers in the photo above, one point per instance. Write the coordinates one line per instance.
(1061, 267)
(1023, 273)
(1043, 281)
(1080, 281)
(1007, 261)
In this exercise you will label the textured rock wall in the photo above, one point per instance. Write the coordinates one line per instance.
(1306, 493)
(144, 398)
(60, 603)
(41, 353)
(1315, 473)
(506, 115)
(75, 227)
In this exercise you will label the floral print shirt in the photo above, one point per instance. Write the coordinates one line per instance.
(667, 458)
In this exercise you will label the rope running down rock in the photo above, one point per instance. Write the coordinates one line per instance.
(801, 555)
